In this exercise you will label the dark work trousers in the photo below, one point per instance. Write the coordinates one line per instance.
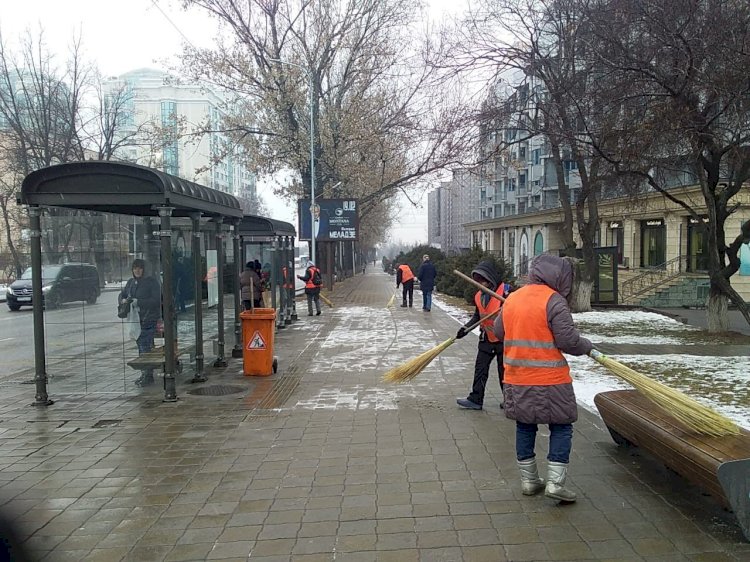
(408, 290)
(486, 353)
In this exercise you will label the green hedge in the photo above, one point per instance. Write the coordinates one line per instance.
(447, 282)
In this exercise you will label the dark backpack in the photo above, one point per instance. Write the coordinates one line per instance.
(316, 280)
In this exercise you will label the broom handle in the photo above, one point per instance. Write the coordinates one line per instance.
(479, 285)
(482, 319)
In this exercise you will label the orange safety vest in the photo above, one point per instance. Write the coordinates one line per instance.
(492, 306)
(406, 274)
(309, 283)
(530, 356)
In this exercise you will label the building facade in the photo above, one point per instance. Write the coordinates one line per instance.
(179, 123)
(450, 207)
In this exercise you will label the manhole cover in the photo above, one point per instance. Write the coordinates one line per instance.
(217, 390)
(107, 423)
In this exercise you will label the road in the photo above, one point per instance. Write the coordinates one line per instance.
(73, 327)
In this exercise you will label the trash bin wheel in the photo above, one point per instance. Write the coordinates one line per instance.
(275, 365)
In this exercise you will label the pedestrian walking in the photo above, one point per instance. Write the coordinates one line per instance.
(536, 325)
(427, 275)
(251, 287)
(143, 294)
(313, 281)
(405, 277)
(490, 346)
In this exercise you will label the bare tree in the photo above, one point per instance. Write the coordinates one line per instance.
(379, 124)
(684, 64)
(538, 54)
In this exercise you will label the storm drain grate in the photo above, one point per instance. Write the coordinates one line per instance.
(106, 423)
(217, 390)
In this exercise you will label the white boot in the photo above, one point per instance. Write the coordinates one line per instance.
(530, 481)
(557, 472)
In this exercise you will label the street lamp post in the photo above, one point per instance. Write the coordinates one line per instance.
(313, 218)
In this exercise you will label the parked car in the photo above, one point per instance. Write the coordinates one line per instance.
(60, 284)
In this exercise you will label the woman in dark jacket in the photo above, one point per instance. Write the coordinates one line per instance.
(536, 327)
(145, 294)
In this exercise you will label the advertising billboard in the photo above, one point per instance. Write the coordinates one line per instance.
(338, 219)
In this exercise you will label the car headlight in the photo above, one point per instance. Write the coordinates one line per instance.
(46, 289)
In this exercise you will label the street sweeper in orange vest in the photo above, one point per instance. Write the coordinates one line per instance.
(536, 327)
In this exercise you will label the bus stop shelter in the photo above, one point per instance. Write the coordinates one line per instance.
(272, 243)
(70, 194)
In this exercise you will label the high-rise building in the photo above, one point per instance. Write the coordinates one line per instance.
(177, 126)
(449, 207)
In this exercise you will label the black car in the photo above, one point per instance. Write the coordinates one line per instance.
(60, 284)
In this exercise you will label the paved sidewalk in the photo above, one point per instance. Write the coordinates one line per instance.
(323, 461)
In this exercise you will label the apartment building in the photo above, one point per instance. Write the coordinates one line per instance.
(520, 214)
(450, 207)
(171, 118)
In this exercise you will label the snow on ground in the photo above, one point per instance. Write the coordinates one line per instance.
(720, 382)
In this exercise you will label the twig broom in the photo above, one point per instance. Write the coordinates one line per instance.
(689, 412)
(407, 371)
(392, 300)
(325, 299)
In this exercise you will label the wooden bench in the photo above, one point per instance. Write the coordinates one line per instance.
(154, 359)
(718, 465)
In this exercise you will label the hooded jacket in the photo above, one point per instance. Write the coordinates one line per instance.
(486, 270)
(547, 403)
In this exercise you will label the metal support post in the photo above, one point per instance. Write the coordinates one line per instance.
(238, 263)
(40, 363)
(170, 333)
(220, 359)
(199, 376)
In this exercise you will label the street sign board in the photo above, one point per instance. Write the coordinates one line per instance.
(337, 219)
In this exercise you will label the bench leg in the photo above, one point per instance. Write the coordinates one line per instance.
(734, 477)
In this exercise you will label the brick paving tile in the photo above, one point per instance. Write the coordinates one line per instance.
(323, 458)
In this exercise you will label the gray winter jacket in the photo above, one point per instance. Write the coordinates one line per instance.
(553, 403)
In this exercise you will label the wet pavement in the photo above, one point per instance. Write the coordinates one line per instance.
(323, 461)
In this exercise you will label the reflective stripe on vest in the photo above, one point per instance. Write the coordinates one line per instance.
(406, 274)
(530, 355)
(311, 272)
(492, 306)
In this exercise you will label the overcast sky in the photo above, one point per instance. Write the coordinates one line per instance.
(123, 35)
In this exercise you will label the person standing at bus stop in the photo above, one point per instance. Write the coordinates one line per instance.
(313, 282)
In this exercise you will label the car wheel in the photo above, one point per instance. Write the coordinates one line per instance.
(14, 307)
(91, 298)
(52, 301)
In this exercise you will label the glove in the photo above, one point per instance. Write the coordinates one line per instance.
(129, 300)
(461, 332)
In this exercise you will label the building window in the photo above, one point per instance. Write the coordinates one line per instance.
(535, 156)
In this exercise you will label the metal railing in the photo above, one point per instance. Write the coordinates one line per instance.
(652, 277)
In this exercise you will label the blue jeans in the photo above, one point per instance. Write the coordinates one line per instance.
(145, 341)
(427, 300)
(560, 441)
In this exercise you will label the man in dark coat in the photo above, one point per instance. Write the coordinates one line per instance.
(426, 275)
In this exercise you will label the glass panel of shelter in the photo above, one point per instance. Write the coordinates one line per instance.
(88, 347)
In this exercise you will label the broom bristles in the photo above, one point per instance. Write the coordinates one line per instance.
(689, 412)
(407, 371)
(391, 301)
(325, 300)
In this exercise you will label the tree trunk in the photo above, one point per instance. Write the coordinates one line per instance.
(717, 306)
(580, 294)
